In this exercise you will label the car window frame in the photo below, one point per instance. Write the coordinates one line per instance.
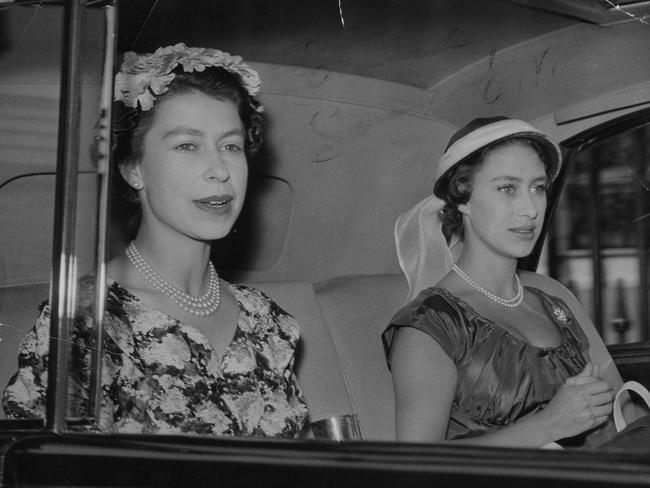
(64, 266)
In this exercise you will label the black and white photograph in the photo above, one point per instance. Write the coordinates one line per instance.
(324, 243)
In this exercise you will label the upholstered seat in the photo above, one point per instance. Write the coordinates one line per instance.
(357, 309)
(319, 367)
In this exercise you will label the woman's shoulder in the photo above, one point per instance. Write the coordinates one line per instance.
(548, 286)
(256, 303)
(435, 311)
(430, 300)
(439, 314)
(251, 298)
(561, 303)
(87, 284)
(116, 300)
(542, 282)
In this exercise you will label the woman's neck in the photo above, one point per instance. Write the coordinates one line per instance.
(180, 260)
(495, 274)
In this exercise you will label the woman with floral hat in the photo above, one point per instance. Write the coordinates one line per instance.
(184, 351)
(477, 356)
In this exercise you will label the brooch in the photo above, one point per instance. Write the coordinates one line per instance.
(560, 314)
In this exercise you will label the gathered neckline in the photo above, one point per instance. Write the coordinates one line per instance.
(561, 326)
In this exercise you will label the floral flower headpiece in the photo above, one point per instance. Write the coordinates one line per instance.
(143, 77)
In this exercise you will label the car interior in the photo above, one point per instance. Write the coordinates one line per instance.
(361, 98)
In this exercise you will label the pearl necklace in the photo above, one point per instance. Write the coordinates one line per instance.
(204, 305)
(506, 302)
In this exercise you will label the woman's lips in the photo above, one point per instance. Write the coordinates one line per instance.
(524, 232)
(214, 204)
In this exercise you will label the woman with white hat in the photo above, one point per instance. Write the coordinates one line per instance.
(479, 357)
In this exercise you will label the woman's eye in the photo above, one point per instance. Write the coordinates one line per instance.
(539, 189)
(507, 189)
(186, 146)
(232, 147)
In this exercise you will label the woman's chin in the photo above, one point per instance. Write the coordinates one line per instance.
(218, 234)
(518, 252)
(523, 253)
(209, 233)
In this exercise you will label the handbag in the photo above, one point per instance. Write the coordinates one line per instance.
(636, 435)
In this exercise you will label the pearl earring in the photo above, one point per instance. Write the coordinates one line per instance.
(137, 185)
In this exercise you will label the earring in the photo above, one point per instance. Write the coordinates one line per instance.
(137, 185)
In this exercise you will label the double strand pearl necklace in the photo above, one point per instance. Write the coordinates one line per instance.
(506, 302)
(203, 305)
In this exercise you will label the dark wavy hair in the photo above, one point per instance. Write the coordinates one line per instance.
(131, 125)
(458, 188)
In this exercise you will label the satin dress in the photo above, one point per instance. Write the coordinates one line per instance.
(501, 377)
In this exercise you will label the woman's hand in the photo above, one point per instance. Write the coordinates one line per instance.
(582, 403)
(589, 374)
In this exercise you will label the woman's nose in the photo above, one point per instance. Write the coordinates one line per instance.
(217, 169)
(529, 206)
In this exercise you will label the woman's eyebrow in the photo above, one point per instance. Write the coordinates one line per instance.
(233, 132)
(517, 178)
(506, 178)
(182, 130)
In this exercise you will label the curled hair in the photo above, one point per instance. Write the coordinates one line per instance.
(131, 126)
(458, 188)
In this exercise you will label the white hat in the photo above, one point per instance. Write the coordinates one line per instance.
(422, 250)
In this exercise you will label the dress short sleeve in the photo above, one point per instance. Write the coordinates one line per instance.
(25, 396)
(434, 314)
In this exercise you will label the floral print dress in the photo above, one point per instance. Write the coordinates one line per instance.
(161, 376)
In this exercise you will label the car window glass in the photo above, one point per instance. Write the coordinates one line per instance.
(30, 87)
(599, 241)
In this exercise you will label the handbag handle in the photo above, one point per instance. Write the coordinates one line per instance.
(639, 389)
